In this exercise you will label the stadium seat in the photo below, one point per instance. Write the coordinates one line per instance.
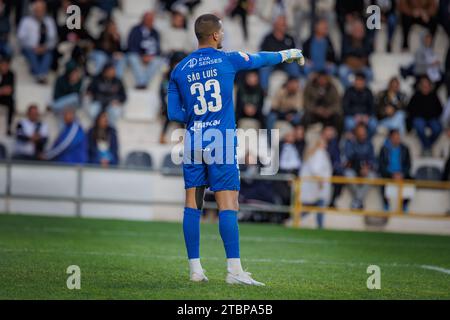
(141, 105)
(139, 159)
(3, 152)
(428, 173)
(33, 94)
(169, 168)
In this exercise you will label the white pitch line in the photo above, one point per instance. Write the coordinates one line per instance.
(435, 268)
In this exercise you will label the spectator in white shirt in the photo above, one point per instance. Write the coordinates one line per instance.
(177, 38)
(37, 37)
(31, 136)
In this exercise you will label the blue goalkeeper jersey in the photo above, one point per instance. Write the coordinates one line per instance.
(200, 91)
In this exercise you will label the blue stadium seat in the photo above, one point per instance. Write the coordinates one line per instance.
(139, 160)
(428, 173)
(169, 168)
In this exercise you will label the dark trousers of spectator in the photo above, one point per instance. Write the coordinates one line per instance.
(334, 120)
(39, 63)
(386, 205)
(408, 22)
(239, 11)
(11, 106)
(420, 125)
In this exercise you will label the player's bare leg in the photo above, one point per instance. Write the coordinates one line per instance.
(191, 230)
(228, 204)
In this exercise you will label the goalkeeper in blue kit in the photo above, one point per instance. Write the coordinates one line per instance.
(200, 95)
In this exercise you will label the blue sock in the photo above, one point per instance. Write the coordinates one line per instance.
(229, 231)
(191, 230)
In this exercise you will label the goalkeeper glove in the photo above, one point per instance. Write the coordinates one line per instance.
(293, 55)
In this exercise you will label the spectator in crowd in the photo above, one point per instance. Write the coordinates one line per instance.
(417, 12)
(394, 163)
(250, 99)
(241, 8)
(317, 164)
(424, 111)
(31, 136)
(278, 40)
(108, 48)
(358, 105)
(322, 102)
(71, 144)
(163, 88)
(291, 151)
(330, 136)
(426, 62)
(37, 37)
(177, 38)
(287, 104)
(107, 93)
(444, 15)
(5, 28)
(359, 161)
(446, 113)
(319, 51)
(356, 48)
(347, 12)
(102, 142)
(144, 50)
(67, 89)
(391, 105)
(7, 86)
(388, 12)
(447, 72)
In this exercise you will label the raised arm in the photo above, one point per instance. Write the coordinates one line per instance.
(246, 61)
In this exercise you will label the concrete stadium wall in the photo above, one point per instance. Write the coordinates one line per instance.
(149, 195)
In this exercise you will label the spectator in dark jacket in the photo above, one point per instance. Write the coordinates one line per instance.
(278, 40)
(71, 144)
(102, 143)
(356, 49)
(358, 105)
(319, 51)
(7, 85)
(108, 94)
(424, 110)
(359, 162)
(394, 162)
(144, 50)
(322, 102)
(67, 89)
(109, 49)
(250, 99)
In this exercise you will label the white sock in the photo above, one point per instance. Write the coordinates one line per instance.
(234, 266)
(195, 266)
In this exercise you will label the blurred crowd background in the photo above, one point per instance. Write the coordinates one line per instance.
(367, 103)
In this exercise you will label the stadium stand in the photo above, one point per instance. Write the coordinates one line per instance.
(139, 159)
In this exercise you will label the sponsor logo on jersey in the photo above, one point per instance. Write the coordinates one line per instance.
(191, 63)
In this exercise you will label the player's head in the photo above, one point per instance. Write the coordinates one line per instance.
(209, 31)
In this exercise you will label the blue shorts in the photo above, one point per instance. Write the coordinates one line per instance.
(199, 170)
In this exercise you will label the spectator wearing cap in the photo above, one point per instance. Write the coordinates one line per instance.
(31, 136)
(37, 37)
(394, 162)
(67, 89)
(107, 93)
(176, 37)
(358, 105)
(71, 144)
(144, 51)
(7, 88)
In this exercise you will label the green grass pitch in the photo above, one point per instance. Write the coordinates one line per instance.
(146, 260)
